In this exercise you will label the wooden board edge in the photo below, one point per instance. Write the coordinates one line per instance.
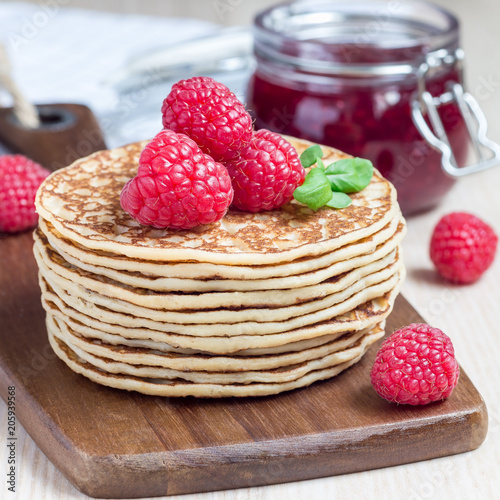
(239, 466)
(256, 464)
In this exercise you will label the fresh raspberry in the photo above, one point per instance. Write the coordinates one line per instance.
(266, 173)
(416, 365)
(20, 178)
(462, 247)
(210, 114)
(177, 185)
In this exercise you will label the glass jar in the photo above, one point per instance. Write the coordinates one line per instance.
(348, 73)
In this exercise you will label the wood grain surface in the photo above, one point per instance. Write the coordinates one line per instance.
(114, 444)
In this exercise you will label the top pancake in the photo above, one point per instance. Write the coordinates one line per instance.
(82, 202)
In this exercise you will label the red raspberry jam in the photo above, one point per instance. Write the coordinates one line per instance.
(345, 74)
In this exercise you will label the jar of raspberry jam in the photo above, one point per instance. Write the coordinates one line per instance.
(379, 80)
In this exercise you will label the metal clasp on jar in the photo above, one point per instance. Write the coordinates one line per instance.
(487, 151)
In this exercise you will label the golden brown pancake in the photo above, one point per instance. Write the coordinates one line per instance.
(82, 202)
(254, 304)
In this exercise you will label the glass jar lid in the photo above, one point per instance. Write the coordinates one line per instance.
(355, 38)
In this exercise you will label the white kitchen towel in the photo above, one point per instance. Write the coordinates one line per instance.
(64, 54)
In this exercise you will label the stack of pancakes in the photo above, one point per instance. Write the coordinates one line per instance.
(254, 304)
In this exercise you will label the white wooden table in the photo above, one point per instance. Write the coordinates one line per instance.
(467, 314)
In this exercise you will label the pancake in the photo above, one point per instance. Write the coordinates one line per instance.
(306, 279)
(180, 388)
(113, 339)
(82, 202)
(210, 300)
(229, 329)
(326, 355)
(279, 375)
(366, 315)
(157, 306)
(107, 264)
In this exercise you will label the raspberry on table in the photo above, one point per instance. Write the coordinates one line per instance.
(266, 173)
(210, 114)
(462, 247)
(20, 178)
(416, 365)
(177, 185)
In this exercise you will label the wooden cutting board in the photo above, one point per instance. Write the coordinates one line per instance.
(111, 443)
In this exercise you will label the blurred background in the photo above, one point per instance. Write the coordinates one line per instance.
(106, 53)
(233, 12)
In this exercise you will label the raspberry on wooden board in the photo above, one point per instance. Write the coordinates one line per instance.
(416, 365)
(20, 178)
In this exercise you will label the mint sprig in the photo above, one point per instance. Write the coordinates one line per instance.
(315, 191)
(338, 200)
(310, 156)
(327, 186)
(350, 175)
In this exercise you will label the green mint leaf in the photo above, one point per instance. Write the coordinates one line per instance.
(310, 156)
(339, 200)
(350, 174)
(327, 186)
(315, 192)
